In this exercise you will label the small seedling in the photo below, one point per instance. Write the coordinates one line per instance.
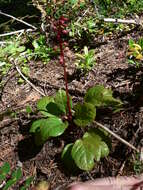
(10, 178)
(86, 60)
(138, 165)
(41, 51)
(135, 52)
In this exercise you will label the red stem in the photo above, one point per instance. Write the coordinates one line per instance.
(62, 62)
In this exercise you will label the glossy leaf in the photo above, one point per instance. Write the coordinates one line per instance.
(45, 128)
(94, 95)
(96, 139)
(43, 102)
(68, 160)
(61, 101)
(42, 105)
(100, 96)
(83, 155)
(53, 109)
(84, 114)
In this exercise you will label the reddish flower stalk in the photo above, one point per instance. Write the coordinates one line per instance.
(60, 30)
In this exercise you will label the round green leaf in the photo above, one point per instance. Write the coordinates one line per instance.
(94, 95)
(45, 128)
(97, 139)
(94, 141)
(83, 155)
(53, 127)
(84, 114)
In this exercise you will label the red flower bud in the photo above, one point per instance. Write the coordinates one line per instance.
(61, 22)
(61, 60)
(65, 32)
(63, 18)
(65, 44)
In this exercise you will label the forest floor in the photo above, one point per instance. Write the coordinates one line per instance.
(112, 71)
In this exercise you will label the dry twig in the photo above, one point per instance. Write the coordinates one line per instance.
(123, 21)
(16, 32)
(32, 85)
(19, 20)
(116, 136)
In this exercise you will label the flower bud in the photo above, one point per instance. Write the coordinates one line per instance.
(65, 32)
(63, 18)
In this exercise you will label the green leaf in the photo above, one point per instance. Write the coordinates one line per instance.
(79, 56)
(42, 105)
(95, 142)
(27, 183)
(35, 44)
(28, 109)
(4, 170)
(84, 114)
(109, 100)
(97, 139)
(73, 2)
(83, 154)
(36, 125)
(104, 149)
(45, 128)
(21, 48)
(94, 95)
(131, 43)
(16, 175)
(54, 109)
(68, 160)
(9, 183)
(100, 96)
(43, 102)
(61, 101)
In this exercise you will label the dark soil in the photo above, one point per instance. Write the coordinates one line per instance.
(112, 71)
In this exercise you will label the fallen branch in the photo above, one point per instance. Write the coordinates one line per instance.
(16, 32)
(116, 136)
(124, 21)
(32, 85)
(30, 25)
